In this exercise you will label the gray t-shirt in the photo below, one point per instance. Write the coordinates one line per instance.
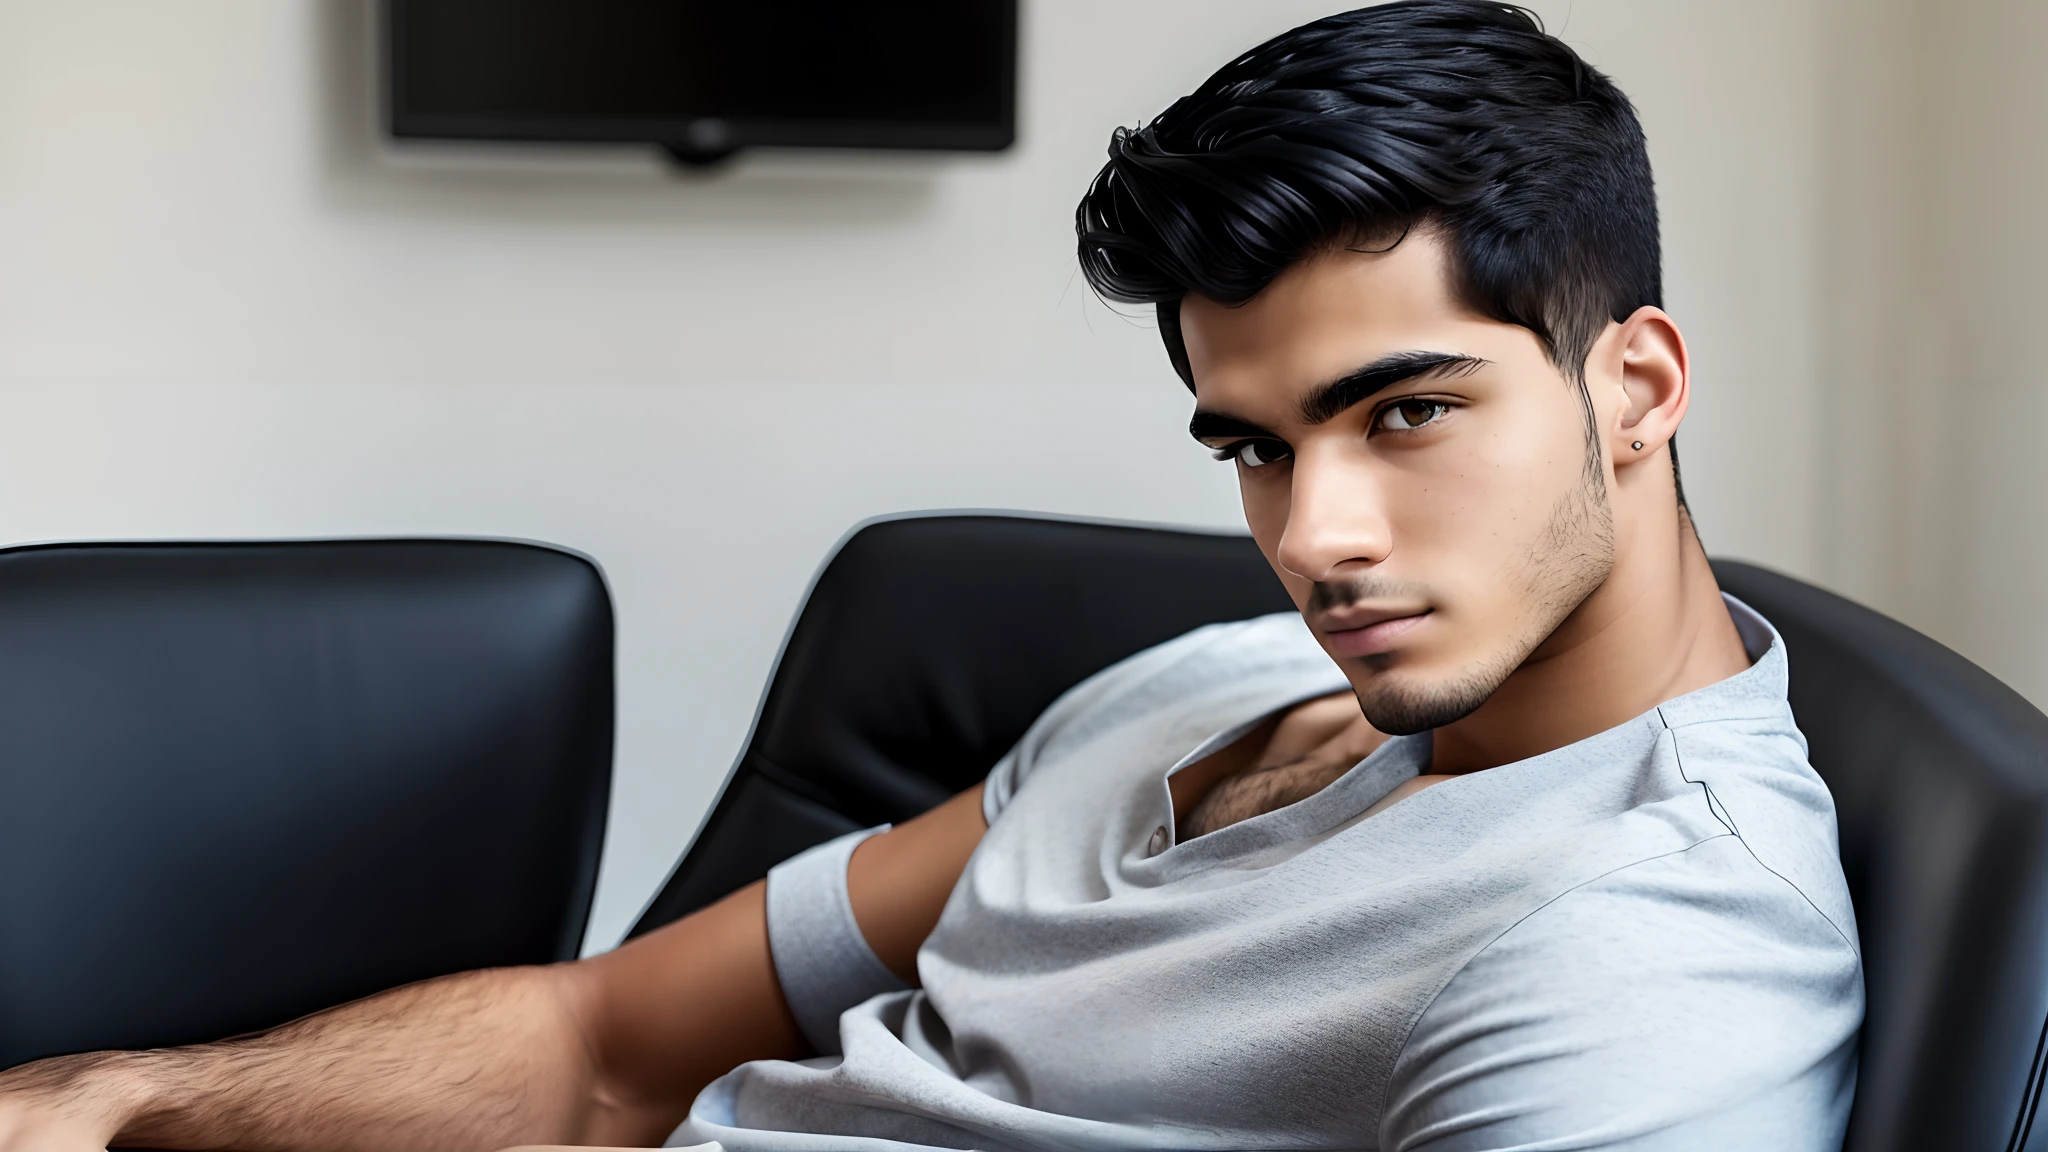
(1642, 940)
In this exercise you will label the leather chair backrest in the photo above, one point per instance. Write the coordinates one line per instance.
(1940, 779)
(242, 782)
(928, 645)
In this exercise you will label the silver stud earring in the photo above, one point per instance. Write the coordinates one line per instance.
(1639, 445)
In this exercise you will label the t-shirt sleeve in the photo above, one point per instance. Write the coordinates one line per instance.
(821, 959)
(1693, 1001)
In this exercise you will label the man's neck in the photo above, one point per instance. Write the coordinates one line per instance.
(1655, 630)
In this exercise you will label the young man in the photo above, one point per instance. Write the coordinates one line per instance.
(1507, 840)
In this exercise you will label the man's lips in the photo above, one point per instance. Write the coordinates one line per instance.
(1367, 632)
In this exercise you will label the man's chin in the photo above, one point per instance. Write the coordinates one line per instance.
(1397, 706)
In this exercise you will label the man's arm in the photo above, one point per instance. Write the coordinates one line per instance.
(607, 1051)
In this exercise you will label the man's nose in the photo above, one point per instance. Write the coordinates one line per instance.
(1336, 517)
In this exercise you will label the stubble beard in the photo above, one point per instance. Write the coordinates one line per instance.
(1568, 561)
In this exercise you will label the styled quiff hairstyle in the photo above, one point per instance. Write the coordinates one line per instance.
(1462, 116)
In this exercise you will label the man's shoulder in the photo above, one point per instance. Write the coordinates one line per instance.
(1718, 890)
(1678, 879)
(1712, 904)
(1752, 773)
(1709, 938)
(1664, 996)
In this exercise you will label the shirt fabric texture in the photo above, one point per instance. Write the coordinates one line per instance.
(1642, 940)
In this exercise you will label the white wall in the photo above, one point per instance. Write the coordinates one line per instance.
(1932, 376)
(1979, 377)
(228, 309)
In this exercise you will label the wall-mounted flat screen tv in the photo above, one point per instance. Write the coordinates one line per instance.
(706, 77)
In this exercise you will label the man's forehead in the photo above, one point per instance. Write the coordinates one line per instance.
(1325, 316)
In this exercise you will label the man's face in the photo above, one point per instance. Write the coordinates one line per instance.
(1417, 474)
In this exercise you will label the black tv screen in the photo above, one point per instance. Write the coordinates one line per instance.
(704, 77)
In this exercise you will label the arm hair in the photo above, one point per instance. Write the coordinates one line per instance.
(605, 1051)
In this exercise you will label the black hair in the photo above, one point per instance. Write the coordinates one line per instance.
(1463, 116)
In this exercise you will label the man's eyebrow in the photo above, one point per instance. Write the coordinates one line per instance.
(1217, 426)
(1324, 402)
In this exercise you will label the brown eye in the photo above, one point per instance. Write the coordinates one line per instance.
(1256, 453)
(1411, 414)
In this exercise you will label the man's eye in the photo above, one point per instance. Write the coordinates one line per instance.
(1410, 414)
(1254, 453)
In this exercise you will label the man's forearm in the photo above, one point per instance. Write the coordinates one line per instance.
(605, 1051)
(476, 1061)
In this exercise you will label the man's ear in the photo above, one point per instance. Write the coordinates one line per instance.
(1655, 378)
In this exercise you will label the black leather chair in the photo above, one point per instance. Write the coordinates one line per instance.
(928, 644)
(241, 782)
